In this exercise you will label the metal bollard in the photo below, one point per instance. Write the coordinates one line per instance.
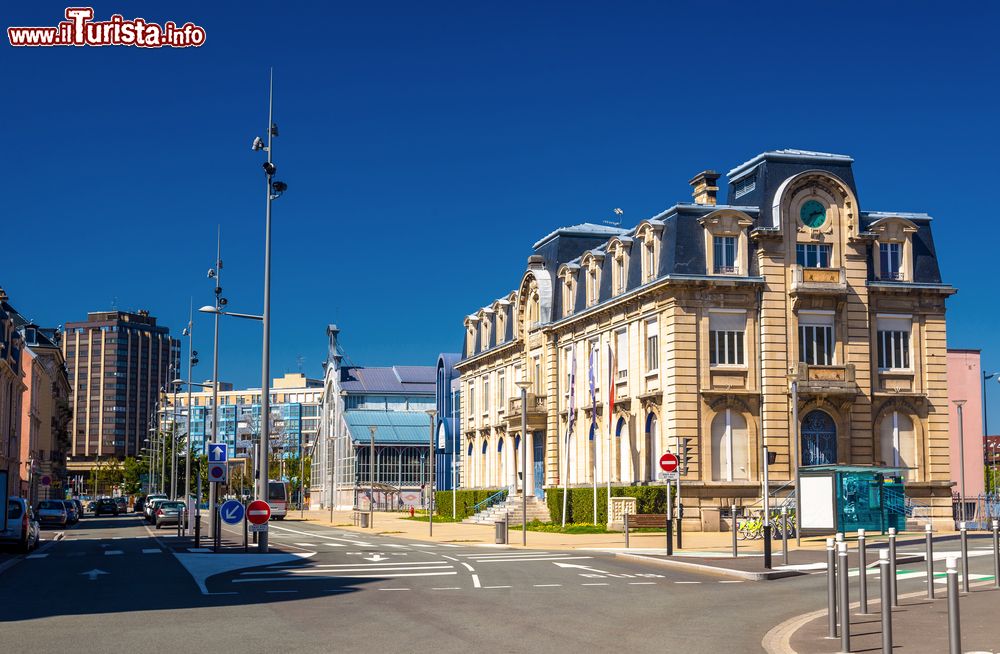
(996, 553)
(892, 566)
(862, 572)
(883, 567)
(680, 526)
(626, 531)
(964, 533)
(670, 536)
(954, 623)
(845, 600)
(831, 588)
(736, 551)
(784, 535)
(929, 555)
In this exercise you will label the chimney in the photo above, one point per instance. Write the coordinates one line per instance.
(705, 187)
(536, 262)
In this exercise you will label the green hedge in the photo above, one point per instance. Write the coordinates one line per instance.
(580, 504)
(464, 502)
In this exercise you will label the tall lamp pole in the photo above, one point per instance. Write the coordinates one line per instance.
(523, 384)
(173, 444)
(431, 413)
(961, 461)
(272, 190)
(216, 274)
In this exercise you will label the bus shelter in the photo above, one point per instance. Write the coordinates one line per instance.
(843, 498)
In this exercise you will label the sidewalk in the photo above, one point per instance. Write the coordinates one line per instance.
(919, 625)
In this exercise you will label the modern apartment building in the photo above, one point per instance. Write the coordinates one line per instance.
(118, 362)
(295, 401)
(686, 332)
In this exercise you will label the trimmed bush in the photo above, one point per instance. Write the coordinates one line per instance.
(580, 504)
(465, 501)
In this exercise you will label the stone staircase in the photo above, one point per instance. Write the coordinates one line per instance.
(511, 508)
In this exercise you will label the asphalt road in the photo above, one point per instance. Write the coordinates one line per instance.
(114, 584)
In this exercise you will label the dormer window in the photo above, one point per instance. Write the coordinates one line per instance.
(619, 276)
(592, 268)
(724, 255)
(567, 277)
(726, 244)
(890, 256)
(649, 260)
(648, 235)
(893, 252)
(501, 324)
(486, 334)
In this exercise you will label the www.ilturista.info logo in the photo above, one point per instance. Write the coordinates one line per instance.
(80, 29)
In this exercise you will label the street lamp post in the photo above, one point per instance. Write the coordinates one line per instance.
(173, 448)
(523, 384)
(371, 479)
(961, 461)
(431, 413)
(272, 190)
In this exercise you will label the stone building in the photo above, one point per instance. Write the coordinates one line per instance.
(12, 388)
(692, 326)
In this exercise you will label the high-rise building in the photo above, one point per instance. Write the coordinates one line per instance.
(118, 362)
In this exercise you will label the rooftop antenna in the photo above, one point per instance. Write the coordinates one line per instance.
(615, 223)
(114, 303)
(299, 360)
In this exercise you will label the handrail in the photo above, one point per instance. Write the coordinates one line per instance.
(496, 497)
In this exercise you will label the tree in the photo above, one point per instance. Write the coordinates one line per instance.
(131, 476)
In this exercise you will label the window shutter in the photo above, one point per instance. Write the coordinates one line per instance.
(719, 321)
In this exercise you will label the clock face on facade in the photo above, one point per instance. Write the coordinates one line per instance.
(812, 214)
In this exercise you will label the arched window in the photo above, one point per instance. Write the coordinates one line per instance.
(501, 470)
(622, 447)
(819, 439)
(652, 439)
(730, 447)
(898, 442)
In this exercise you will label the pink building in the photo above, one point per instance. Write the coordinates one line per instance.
(965, 382)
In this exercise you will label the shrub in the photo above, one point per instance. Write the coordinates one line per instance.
(465, 500)
(580, 504)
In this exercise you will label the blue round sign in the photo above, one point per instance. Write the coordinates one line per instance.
(232, 512)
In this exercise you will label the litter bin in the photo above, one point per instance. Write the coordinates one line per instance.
(365, 516)
(501, 526)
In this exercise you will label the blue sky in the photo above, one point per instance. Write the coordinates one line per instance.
(427, 145)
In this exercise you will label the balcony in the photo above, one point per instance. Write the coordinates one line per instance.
(819, 281)
(536, 411)
(827, 380)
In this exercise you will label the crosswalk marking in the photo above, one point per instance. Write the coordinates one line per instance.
(112, 552)
(152, 550)
(36, 556)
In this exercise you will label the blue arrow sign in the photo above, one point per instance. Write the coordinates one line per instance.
(218, 453)
(231, 512)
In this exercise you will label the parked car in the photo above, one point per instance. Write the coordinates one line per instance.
(91, 505)
(52, 512)
(72, 513)
(105, 506)
(169, 513)
(152, 506)
(140, 504)
(146, 505)
(79, 506)
(122, 504)
(22, 529)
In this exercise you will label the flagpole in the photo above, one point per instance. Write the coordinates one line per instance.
(611, 418)
(571, 418)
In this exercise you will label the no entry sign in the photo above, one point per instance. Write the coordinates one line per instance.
(668, 462)
(258, 512)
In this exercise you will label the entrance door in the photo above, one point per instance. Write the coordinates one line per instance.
(538, 449)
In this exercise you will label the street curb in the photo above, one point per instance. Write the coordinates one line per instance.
(674, 564)
(778, 640)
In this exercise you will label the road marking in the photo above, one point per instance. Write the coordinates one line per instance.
(468, 567)
(393, 589)
(94, 574)
(392, 564)
(36, 556)
(306, 544)
(310, 571)
(687, 582)
(112, 552)
(345, 576)
(731, 581)
(450, 558)
(595, 584)
(447, 588)
(475, 581)
(395, 545)
(642, 583)
(334, 544)
(315, 535)
(281, 591)
(152, 550)
(532, 558)
(496, 586)
(548, 585)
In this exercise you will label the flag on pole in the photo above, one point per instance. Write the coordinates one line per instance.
(592, 376)
(611, 387)
(571, 390)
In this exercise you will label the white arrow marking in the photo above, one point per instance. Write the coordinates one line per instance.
(582, 567)
(93, 574)
(375, 557)
(218, 452)
(231, 514)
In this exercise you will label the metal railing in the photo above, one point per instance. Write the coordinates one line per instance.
(493, 499)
